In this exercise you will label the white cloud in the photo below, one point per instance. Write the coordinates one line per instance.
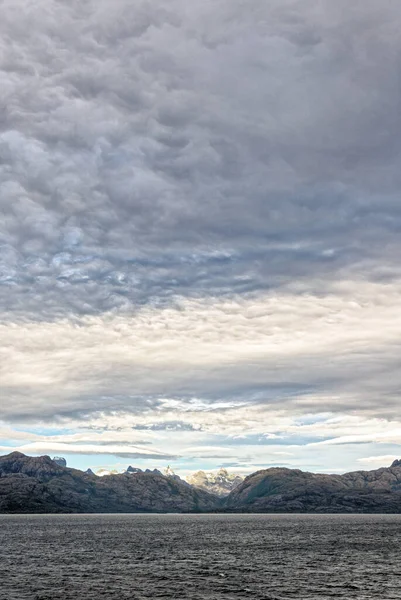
(315, 352)
(88, 449)
(379, 461)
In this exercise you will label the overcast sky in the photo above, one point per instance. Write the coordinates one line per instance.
(200, 223)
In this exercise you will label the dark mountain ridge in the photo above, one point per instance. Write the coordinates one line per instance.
(292, 490)
(39, 485)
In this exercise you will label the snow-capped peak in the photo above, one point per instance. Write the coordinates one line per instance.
(168, 472)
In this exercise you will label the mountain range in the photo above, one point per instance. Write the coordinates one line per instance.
(219, 483)
(39, 485)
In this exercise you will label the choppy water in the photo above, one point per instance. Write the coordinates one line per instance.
(199, 557)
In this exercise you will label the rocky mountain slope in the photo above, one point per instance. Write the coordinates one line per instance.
(292, 490)
(220, 483)
(38, 485)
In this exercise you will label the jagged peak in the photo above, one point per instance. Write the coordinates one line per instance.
(131, 469)
(154, 472)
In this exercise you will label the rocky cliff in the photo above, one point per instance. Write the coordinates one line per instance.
(39, 485)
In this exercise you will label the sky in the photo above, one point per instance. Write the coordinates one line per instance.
(200, 222)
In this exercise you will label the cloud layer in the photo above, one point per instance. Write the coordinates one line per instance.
(154, 149)
(200, 217)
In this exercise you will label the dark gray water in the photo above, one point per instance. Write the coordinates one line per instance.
(199, 557)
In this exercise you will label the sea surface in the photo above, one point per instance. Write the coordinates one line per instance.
(200, 557)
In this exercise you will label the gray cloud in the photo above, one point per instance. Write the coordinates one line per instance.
(142, 455)
(167, 426)
(150, 151)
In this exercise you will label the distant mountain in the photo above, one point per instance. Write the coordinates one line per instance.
(292, 490)
(138, 470)
(220, 483)
(59, 460)
(168, 472)
(39, 485)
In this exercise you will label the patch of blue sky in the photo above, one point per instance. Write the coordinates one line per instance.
(93, 461)
(313, 419)
(7, 442)
(267, 393)
(276, 439)
(45, 431)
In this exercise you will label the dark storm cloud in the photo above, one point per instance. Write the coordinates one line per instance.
(157, 149)
(141, 455)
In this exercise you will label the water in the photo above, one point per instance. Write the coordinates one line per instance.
(200, 557)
